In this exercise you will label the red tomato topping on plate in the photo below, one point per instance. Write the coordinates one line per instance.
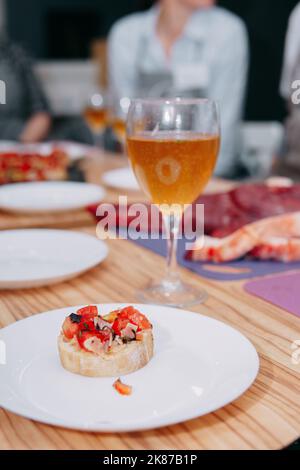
(130, 315)
(120, 324)
(90, 310)
(84, 335)
(136, 317)
(87, 323)
(70, 329)
(122, 388)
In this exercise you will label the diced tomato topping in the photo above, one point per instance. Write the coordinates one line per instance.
(120, 324)
(87, 323)
(70, 329)
(90, 310)
(84, 335)
(82, 325)
(135, 317)
(122, 388)
(130, 315)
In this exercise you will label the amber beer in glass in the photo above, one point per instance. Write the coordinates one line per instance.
(96, 118)
(173, 168)
(95, 115)
(119, 111)
(173, 147)
(119, 128)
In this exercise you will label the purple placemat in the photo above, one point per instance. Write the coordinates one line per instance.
(282, 291)
(237, 271)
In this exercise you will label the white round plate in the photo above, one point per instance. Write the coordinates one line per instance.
(34, 258)
(122, 178)
(199, 366)
(49, 196)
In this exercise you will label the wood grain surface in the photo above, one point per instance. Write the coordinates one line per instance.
(266, 417)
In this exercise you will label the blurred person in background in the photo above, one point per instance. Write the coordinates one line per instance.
(291, 72)
(187, 48)
(25, 116)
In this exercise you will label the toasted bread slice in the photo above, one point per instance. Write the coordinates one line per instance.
(121, 360)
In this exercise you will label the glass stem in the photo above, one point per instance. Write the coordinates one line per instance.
(171, 222)
(99, 139)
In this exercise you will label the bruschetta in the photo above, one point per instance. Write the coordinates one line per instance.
(113, 345)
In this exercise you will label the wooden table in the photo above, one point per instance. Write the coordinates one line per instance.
(266, 417)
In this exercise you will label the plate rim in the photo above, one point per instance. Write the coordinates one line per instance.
(165, 422)
(19, 210)
(45, 281)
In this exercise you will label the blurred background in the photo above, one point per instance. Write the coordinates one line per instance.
(68, 82)
(77, 29)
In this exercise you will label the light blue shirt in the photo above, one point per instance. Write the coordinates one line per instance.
(291, 68)
(212, 50)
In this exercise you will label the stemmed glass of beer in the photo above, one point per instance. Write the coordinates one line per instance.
(119, 113)
(173, 146)
(95, 114)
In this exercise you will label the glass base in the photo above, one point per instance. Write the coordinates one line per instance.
(176, 294)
